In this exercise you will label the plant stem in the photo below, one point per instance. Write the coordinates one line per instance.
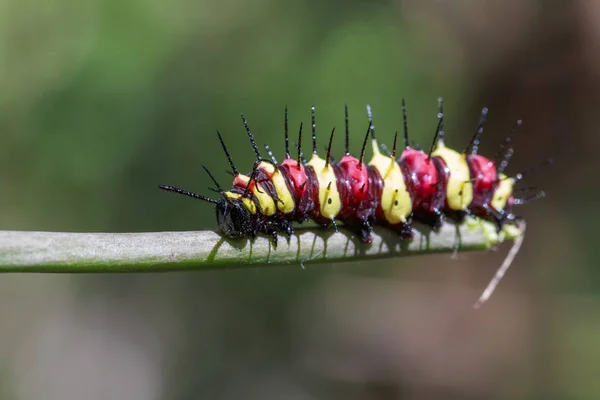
(169, 251)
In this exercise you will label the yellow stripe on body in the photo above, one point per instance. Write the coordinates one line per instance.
(459, 189)
(502, 192)
(395, 198)
(265, 202)
(330, 202)
(248, 203)
(285, 204)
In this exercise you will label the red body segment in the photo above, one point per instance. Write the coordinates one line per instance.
(485, 181)
(360, 188)
(301, 186)
(295, 176)
(240, 183)
(426, 182)
(354, 188)
(443, 175)
(355, 176)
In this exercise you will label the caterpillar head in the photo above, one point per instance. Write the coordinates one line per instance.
(233, 218)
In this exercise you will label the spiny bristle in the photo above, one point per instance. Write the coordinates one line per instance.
(528, 171)
(285, 129)
(437, 133)
(251, 137)
(189, 194)
(394, 145)
(300, 155)
(474, 142)
(371, 126)
(507, 156)
(364, 146)
(271, 155)
(234, 170)
(347, 130)
(329, 148)
(524, 200)
(441, 114)
(213, 179)
(405, 121)
(314, 129)
(385, 150)
(500, 154)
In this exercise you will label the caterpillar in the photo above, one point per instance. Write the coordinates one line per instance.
(393, 189)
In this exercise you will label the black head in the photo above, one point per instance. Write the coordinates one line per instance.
(234, 219)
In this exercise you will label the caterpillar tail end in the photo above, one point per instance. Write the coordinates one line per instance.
(514, 250)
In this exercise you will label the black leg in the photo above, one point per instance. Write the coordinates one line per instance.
(438, 219)
(287, 228)
(365, 232)
(273, 234)
(406, 231)
(334, 224)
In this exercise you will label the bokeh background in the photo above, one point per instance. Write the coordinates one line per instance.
(102, 100)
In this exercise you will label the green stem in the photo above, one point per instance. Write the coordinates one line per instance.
(169, 251)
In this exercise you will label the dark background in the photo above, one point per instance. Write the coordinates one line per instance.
(102, 100)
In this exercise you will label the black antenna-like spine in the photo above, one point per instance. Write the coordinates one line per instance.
(219, 188)
(405, 121)
(347, 130)
(285, 129)
(474, 142)
(271, 155)
(327, 160)
(314, 129)
(437, 134)
(507, 140)
(441, 112)
(371, 126)
(251, 137)
(364, 147)
(189, 194)
(300, 155)
(231, 164)
(394, 146)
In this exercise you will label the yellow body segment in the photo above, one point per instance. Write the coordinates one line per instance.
(248, 203)
(265, 202)
(459, 191)
(395, 198)
(503, 192)
(330, 202)
(285, 204)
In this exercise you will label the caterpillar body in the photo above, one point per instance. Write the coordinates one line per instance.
(393, 189)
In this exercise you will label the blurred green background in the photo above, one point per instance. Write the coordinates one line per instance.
(102, 100)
